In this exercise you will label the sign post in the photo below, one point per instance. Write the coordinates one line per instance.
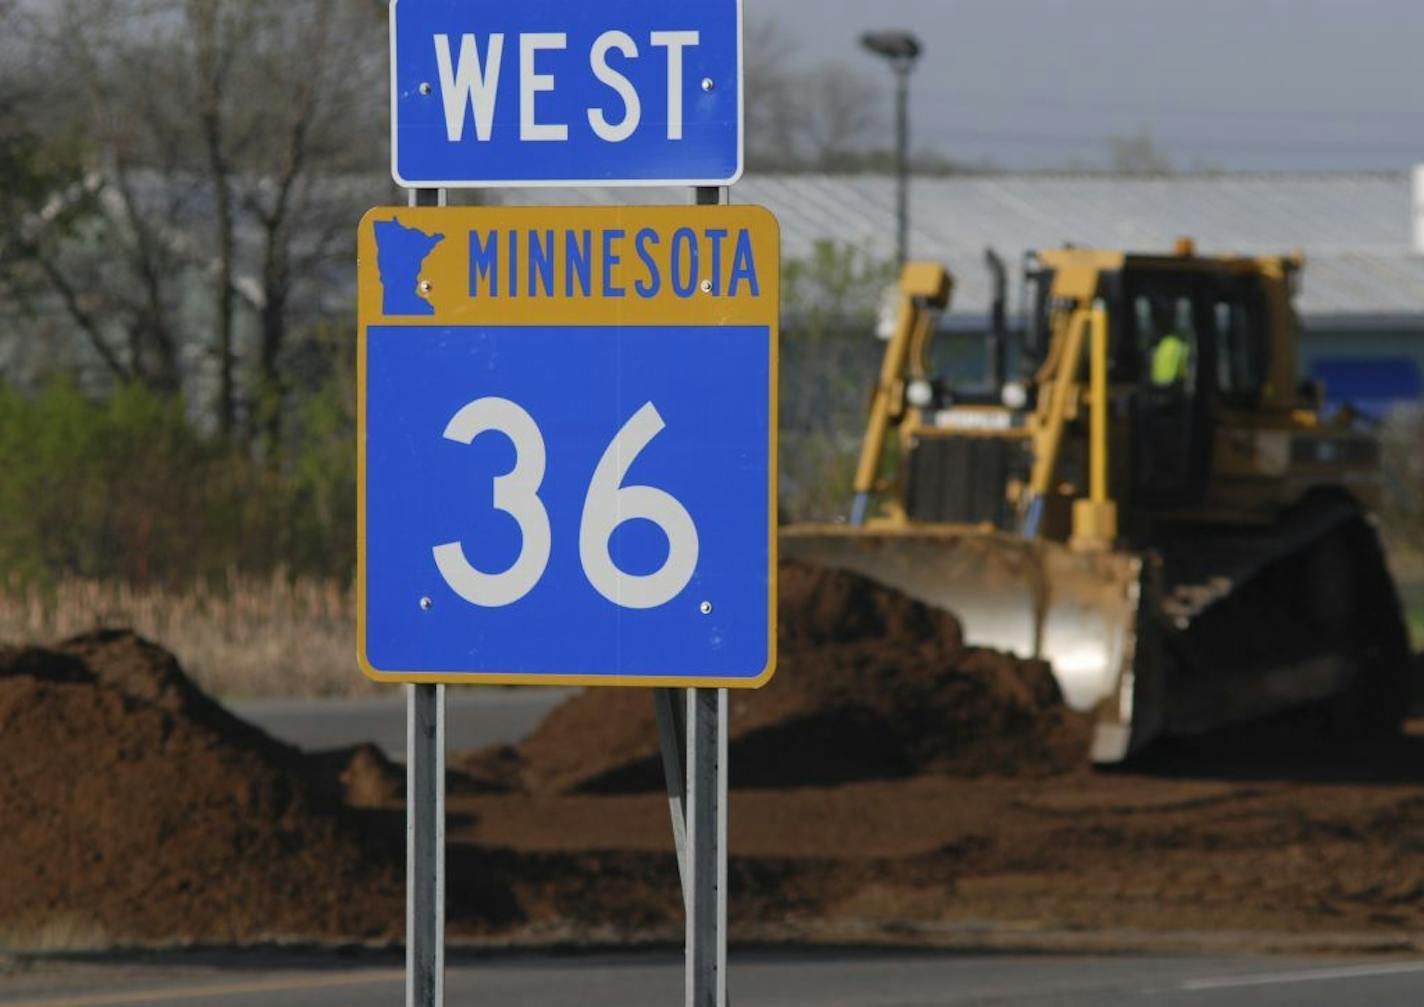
(425, 818)
(705, 860)
(706, 887)
(425, 845)
(567, 416)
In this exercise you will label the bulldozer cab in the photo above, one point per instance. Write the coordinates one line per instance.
(1192, 346)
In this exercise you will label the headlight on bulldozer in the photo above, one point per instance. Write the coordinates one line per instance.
(920, 393)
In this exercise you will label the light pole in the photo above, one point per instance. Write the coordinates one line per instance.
(901, 49)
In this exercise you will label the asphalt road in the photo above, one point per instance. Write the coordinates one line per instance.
(821, 979)
(474, 717)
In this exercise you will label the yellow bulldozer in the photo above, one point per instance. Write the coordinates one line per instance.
(1155, 504)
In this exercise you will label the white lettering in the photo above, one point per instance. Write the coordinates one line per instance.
(470, 83)
(632, 105)
(531, 83)
(610, 503)
(675, 42)
(517, 494)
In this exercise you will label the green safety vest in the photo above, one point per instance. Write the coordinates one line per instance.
(1169, 361)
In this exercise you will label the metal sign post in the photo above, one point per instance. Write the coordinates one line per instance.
(693, 732)
(706, 857)
(704, 877)
(670, 707)
(425, 846)
(425, 818)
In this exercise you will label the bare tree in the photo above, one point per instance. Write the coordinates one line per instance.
(798, 116)
(771, 113)
(284, 83)
(838, 108)
(1138, 155)
(219, 35)
(42, 195)
(221, 134)
(119, 275)
(311, 53)
(112, 279)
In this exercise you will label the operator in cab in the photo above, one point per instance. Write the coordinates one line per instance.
(1171, 354)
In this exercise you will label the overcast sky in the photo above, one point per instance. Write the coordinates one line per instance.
(1239, 84)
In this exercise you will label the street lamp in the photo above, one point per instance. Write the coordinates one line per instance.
(900, 49)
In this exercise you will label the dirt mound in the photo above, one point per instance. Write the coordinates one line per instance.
(818, 606)
(368, 779)
(870, 685)
(135, 808)
(152, 676)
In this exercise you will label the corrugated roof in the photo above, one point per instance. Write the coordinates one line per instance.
(1354, 228)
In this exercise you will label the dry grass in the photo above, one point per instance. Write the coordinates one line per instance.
(59, 934)
(243, 638)
(278, 637)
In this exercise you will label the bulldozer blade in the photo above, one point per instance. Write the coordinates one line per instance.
(1079, 611)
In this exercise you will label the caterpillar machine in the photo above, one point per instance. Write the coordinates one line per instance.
(1155, 505)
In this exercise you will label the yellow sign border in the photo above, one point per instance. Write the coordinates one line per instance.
(745, 310)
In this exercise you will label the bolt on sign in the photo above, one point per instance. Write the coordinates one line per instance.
(551, 92)
(567, 445)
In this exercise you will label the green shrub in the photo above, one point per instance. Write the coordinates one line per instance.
(830, 361)
(126, 488)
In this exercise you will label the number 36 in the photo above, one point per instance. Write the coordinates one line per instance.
(608, 504)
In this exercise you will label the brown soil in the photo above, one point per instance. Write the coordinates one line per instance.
(136, 808)
(1289, 839)
(871, 685)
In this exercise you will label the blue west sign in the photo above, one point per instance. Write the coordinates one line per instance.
(554, 92)
(567, 445)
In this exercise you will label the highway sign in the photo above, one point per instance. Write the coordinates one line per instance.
(548, 92)
(568, 445)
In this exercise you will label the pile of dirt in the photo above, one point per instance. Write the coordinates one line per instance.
(870, 685)
(135, 808)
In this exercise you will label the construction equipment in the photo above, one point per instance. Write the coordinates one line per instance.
(1155, 505)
